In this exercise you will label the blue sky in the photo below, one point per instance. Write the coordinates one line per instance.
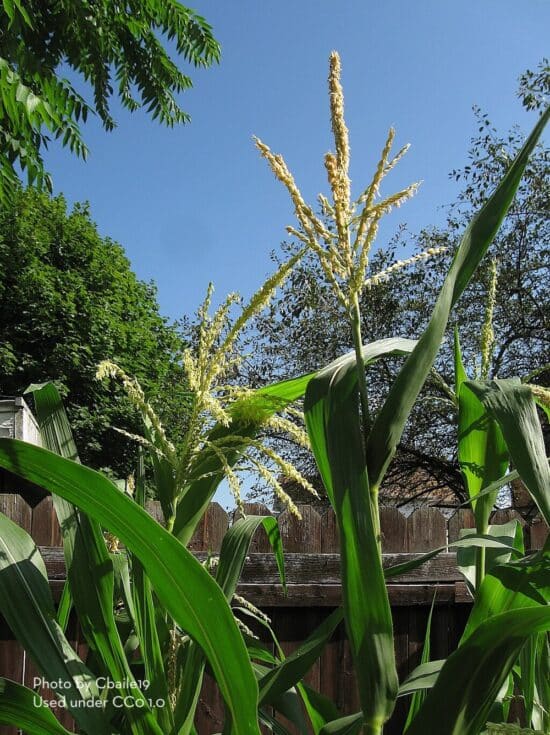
(196, 203)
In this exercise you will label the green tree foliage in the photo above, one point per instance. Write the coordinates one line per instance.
(69, 299)
(305, 326)
(115, 47)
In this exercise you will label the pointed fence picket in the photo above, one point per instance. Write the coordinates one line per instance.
(311, 551)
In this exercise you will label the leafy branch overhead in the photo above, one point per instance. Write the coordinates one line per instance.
(118, 50)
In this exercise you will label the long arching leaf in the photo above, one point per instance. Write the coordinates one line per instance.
(27, 606)
(331, 410)
(26, 709)
(389, 424)
(470, 679)
(291, 671)
(482, 452)
(512, 405)
(90, 568)
(517, 584)
(349, 725)
(182, 585)
(235, 545)
(419, 696)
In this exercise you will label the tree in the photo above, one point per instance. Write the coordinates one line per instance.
(109, 44)
(303, 330)
(69, 299)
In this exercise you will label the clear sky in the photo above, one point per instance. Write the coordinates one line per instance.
(196, 203)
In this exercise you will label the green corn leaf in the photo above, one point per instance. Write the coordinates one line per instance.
(319, 708)
(9, 9)
(331, 411)
(151, 651)
(422, 677)
(89, 566)
(92, 583)
(163, 470)
(500, 709)
(314, 405)
(57, 436)
(182, 585)
(53, 422)
(469, 542)
(527, 665)
(541, 708)
(248, 415)
(493, 487)
(163, 467)
(470, 680)
(25, 709)
(64, 607)
(123, 582)
(235, 545)
(24, 14)
(288, 704)
(259, 651)
(349, 725)
(482, 452)
(290, 671)
(512, 405)
(389, 424)
(191, 676)
(146, 623)
(306, 709)
(460, 371)
(27, 606)
(515, 585)
(165, 484)
(419, 696)
(511, 536)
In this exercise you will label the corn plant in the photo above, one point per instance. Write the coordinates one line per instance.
(178, 612)
(353, 449)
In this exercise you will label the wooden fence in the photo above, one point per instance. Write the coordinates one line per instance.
(313, 572)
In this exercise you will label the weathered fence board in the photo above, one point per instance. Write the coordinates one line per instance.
(311, 577)
(14, 507)
(260, 543)
(301, 534)
(393, 529)
(45, 528)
